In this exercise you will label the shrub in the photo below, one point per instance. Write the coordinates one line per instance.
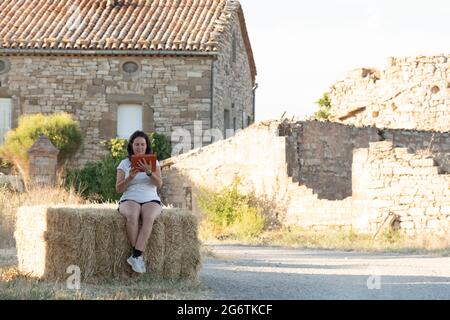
(249, 222)
(161, 145)
(117, 147)
(323, 114)
(96, 181)
(229, 213)
(60, 129)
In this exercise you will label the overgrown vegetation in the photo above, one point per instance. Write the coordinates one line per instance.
(64, 133)
(230, 214)
(336, 238)
(324, 103)
(97, 180)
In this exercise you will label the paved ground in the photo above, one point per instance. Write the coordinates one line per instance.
(249, 273)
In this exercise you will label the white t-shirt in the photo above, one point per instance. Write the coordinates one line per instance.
(140, 189)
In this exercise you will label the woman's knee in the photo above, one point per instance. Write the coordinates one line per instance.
(150, 213)
(130, 212)
(133, 218)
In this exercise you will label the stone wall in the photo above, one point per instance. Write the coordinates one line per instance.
(391, 181)
(174, 91)
(233, 81)
(256, 155)
(412, 93)
(319, 154)
(312, 174)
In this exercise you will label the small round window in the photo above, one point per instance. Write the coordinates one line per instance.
(130, 67)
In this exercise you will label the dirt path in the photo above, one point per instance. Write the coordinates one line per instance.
(249, 272)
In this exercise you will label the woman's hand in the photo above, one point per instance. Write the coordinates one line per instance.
(133, 173)
(144, 166)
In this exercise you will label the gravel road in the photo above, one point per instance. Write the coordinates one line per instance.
(239, 272)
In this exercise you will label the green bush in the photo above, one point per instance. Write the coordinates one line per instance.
(60, 129)
(249, 222)
(117, 147)
(96, 181)
(161, 145)
(323, 114)
(229, 213)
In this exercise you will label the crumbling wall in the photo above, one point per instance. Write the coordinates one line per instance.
(412, 93)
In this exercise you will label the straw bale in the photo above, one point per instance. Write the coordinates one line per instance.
(93, 237)
(173, 248)
(191, 259)
(155, 249)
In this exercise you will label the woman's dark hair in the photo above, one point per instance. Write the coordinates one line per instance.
(135, 135)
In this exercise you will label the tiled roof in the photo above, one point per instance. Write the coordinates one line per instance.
(131, 25)
(109, 24)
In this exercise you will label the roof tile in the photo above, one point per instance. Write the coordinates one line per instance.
(169, 25)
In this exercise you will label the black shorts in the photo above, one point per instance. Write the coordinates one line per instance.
(155, 201)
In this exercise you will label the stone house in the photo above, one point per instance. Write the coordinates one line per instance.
(122, 65)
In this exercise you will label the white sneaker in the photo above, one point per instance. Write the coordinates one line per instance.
(137, 264)
(142, 262)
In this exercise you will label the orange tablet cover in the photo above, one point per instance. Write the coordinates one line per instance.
(147, 157)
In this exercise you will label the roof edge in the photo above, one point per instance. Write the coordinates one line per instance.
(105, 52)
(246, 38)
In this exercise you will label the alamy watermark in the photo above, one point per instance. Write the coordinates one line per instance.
(73, 282)
(374, 280)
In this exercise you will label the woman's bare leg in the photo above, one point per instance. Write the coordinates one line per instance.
(131, 211)
(150, 211)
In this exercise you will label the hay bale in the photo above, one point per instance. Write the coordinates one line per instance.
(155, 249)
(191, 258)
(93, 237)
(173, 245)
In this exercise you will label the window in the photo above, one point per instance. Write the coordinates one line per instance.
(5, 118)
(234, 123)
(129, 119)
(130, 67)
(249, 120)
(226, 120)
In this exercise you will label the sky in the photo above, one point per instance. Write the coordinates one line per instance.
(302, 47)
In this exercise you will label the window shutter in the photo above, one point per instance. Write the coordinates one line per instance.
(129, 120)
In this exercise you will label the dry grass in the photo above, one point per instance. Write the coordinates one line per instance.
(10, 201)
(347, 240)
(15, 286)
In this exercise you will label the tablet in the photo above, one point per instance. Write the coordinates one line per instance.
(146, 157)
